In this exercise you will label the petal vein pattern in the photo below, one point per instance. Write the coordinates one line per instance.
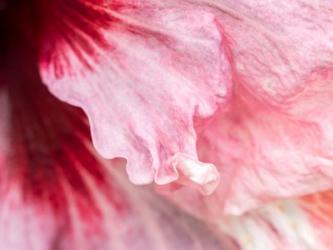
(56, 193)
(297, 224)
(274, 139)
(151, 71)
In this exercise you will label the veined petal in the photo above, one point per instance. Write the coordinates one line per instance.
(297, 224)
(264, 154)
(277, 45)
(275, 137)
(122, 217)
(141, 71)
(56, 194)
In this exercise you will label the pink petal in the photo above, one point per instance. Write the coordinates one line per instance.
(265, 154)
(277, 46)
(56, 194)
(122, 218)
(275, 137)
(319, 208)
(141, 71)
(297, 224)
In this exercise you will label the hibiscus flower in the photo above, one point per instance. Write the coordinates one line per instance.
(221, 106)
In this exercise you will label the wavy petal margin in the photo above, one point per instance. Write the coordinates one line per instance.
(57, 194)
(142, 72)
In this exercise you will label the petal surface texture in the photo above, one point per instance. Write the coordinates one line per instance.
(56, 194)
(274, 138)
(296, 224)
(142, 71)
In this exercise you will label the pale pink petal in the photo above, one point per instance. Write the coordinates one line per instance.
(56, 194)
(277, 46)
(266, 154)
(296, 224)
(141, 71)
(274, 139)
(319, 209)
